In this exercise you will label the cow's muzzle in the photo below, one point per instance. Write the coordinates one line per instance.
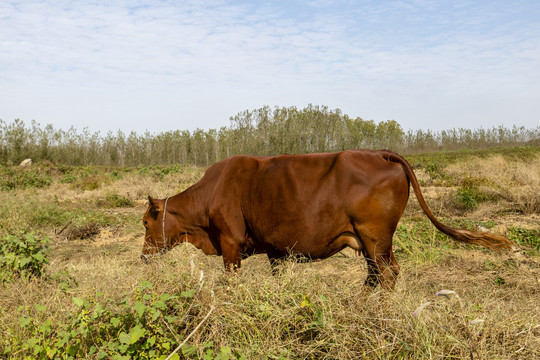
(147, 257)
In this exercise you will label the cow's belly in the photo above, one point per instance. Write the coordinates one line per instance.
(313, 242)
(329, 246)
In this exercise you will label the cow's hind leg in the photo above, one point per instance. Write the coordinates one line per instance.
(382, 268)
(382, 265)
(276, 259)
(390, 269)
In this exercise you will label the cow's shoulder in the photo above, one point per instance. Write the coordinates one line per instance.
(241, 166)
(232, 174)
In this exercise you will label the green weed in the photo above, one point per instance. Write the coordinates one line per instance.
(469, 195)
(435, 171)
(15, 178)
(90, 182)
(116, 174)
(420, 242)
(142, 325)
(115, 200)
(159, 172)
(23, 255)
(68, 178)
(525, 237)
(22, 215)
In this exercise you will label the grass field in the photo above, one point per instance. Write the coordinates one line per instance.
(72, 285)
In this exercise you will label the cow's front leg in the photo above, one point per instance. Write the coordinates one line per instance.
(232, 253)
(230, 226)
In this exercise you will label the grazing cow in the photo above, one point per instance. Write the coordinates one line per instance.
(313, 205)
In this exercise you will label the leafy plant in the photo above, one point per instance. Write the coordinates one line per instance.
(69, 178)
(435, 171)
(142, 325)
(525, 237)
(22, 255)
(90, 182)
(117, 200)
(116, 175)
(15, 178)
(469, 196)
(421, 241)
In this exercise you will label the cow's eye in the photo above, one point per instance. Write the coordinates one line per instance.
(145, 222)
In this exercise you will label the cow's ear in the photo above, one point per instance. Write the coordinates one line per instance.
(153, 204)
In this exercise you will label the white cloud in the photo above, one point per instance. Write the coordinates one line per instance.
(111, 65)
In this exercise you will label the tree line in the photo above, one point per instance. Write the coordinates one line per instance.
(263, 131)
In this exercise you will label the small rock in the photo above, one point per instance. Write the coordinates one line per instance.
(26, 162)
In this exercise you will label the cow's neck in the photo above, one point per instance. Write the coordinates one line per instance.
(192, 209)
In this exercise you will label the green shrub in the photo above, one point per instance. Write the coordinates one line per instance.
(525, 237)
(45, 215)
(435, 171)
(159, 172)
(23, 255)
(469, 196)
(15, 178)
(69, 178)
(116, 175)
(143, 325)
(116, 200)
(90, 182)
(420, 242)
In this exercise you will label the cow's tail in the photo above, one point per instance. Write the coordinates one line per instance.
(492, 241)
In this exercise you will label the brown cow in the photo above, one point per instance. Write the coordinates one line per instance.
(313, 205)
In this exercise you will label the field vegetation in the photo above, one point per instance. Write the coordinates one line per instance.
(73, 286)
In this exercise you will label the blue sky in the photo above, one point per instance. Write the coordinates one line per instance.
(166, 65)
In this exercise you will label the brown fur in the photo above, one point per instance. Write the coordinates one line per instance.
(312, 205)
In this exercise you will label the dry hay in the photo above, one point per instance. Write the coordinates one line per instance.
(87, 231)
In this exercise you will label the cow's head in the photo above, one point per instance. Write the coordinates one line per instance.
(160, 234)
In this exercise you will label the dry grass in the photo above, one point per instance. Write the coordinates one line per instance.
(317, 310)
(514, 183)
(313, 310)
